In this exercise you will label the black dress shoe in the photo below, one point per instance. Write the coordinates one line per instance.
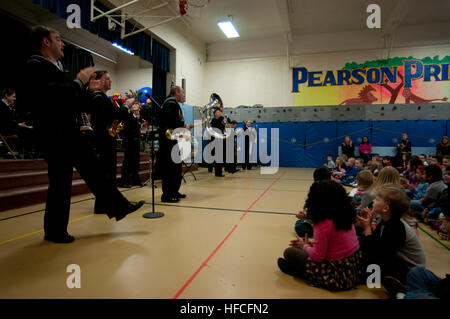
(124, 185)
(130, 209)
(65, 239)
(170, 199)
(220, 175)
(179, 195)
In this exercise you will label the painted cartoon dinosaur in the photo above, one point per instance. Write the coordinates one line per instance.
(365, 96)
(409, 96)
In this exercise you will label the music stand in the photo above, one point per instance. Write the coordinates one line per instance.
(153, 214)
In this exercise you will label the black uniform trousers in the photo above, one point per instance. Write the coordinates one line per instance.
(62, 154)
(171, 172)
(247, 155)
(107, 154)
(218, 167)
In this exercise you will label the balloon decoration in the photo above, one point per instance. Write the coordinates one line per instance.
(143, 91)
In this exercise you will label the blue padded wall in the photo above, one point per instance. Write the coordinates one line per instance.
(291, 141)
(425, 133)
(320, 141)
(306, 144)
(388, 133)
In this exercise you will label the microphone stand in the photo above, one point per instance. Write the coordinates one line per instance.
(153, 214)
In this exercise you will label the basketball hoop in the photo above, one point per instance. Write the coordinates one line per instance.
(186, 4)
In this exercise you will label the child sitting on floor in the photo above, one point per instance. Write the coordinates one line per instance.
(330, 164)
(303, 226)
(332, 261)
(393, 245)
(340, 165)
(433, 176)
(365, 181)
(433, 210)
(387, 161)
(348, 175)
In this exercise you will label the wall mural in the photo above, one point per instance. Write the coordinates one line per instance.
(388, 81)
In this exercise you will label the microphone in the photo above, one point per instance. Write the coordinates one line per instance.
(152, 99)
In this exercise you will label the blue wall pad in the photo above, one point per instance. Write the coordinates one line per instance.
(306, 144)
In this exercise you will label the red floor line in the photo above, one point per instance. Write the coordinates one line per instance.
(203, 264)
(267, 189)
(223, 241)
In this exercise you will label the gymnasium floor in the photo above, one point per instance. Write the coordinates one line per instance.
(222, 241)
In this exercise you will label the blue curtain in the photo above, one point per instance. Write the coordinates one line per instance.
(140, 44)
(161, 56)
(159, 85)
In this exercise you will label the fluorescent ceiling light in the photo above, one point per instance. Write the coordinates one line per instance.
(229, 29)
(118, 46)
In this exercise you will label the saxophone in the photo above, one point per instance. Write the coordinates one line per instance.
(116, 126)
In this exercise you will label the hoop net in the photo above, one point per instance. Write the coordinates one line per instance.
(197, 3)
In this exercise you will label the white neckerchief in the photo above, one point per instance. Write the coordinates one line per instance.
(58, 64)
(9, 105)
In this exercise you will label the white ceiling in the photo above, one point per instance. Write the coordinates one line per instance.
(268, 19)
(259, 19)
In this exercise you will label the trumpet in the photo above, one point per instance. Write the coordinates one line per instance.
(116, 126)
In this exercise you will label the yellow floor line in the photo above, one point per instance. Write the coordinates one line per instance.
(74, 220)
(41, 230)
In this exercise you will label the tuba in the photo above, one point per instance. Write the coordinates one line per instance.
(208, 112)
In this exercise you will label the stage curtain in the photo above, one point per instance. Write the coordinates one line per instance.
(140, 44)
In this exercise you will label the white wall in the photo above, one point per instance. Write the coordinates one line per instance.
(268, 80)
(190, 56)
(248, 82)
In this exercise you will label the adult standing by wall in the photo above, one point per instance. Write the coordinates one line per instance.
(403, 147)
(443, 148)
(62, 143)
(365, 149)
(348, 148)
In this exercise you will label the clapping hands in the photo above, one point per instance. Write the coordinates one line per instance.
(300, 242)
(365, 220)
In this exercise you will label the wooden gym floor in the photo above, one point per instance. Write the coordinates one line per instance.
(222, 241)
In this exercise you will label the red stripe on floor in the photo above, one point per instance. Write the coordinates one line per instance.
(223, 241)
(267, 189)
(203, 264)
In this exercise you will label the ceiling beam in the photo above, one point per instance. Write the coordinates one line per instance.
(283, 12)
(399, 12)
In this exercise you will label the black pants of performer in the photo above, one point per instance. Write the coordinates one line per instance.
(171, 172)
(130, 166)
(247, 158)
(62, 154)
(107, 153)
(218, 167)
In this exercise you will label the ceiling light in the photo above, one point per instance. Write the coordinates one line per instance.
(118, 46)
(228, 28)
